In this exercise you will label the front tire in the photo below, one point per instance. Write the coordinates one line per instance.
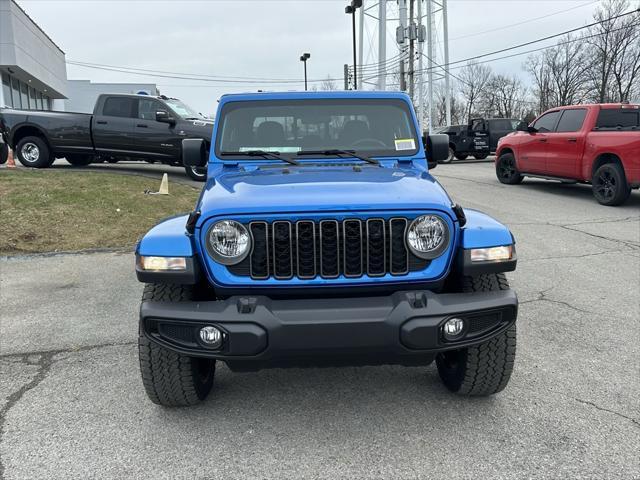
(461, 156)
(4, 153)
(169, 378)
(486, 368)
(506, 170)
(199, 174)
(452, 154)
(609, 185)
(34, 152)
(480, 156)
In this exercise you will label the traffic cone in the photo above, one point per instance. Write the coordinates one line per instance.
(164, 185)
(11, 163)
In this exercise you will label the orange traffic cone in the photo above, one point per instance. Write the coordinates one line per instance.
(10, 161)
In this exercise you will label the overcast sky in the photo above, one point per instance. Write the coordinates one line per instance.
(265, 38)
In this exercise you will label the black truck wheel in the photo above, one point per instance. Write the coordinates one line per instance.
(451, 156)
(172, 379)
(461, 156)
(78, 160)
(609, 185)
(480, 156)
(482, 369)
(34, 152)
(506, 170)
(4, 153)
(199, 174)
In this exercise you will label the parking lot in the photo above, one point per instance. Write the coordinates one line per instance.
(73, 405)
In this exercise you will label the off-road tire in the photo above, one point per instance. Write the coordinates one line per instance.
(480, 156)
(461, 156)
(79, 160)
(43, 159)
(482, 369)
(169, 378)
(506, 170)
(609, 185)
(4, 153)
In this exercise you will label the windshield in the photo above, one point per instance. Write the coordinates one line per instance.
(185, 111)
(380, 127)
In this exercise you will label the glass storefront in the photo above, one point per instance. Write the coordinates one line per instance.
(18, 94)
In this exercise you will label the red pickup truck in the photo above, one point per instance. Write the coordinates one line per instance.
(596, 144)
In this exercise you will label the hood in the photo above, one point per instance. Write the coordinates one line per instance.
(321, 188)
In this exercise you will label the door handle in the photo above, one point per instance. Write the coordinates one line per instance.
(543, 140)
(142, 125)
(572, 140)
(101, 122)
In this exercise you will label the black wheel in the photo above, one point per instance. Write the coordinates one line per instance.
(112, 160)
(609, 185)
(451, 156)
(506, 170)
(480, 156)
(461, 156)
(172, 379)
(79, 160)
(34, 152)
(4, 153)
(486, 368)
(199, 174)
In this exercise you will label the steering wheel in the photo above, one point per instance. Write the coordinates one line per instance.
(369, 142)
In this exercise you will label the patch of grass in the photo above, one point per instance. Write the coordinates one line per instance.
(48, 211)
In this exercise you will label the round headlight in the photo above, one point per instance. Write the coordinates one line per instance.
(428, 236)
(228, 242)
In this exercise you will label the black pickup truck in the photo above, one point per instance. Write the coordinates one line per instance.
(479, 138)
(132, 127)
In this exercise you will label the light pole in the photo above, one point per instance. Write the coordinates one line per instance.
(351, 9)
(303, 58)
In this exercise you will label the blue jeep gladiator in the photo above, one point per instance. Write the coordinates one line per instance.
(321, 239)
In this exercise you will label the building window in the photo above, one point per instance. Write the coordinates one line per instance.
(40, 107)
(46, 102)
(32, 99)
(15, 90)
(24, 95)
(6, 90)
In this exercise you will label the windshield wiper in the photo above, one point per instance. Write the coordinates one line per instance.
(263, 154)
(337, 152)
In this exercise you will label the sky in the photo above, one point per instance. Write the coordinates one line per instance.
(265, 38)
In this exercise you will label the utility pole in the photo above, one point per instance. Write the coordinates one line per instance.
(346, 76)
(361, 41)
(430, 55)
(447, 86)
(382, 44)
(412, 37)
(401, 38)
(421, 38)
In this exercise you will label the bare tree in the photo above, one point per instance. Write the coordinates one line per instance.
(613, 42)
(328, 84)
(503, 96)
(474, 79)
(542, 85)
(457, 106)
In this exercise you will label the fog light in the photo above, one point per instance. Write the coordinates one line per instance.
(211, 336)
(453, 328)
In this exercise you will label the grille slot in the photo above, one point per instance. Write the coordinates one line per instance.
(329, 248)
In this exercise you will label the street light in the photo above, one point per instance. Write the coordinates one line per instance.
(303, 58)
(351, 9)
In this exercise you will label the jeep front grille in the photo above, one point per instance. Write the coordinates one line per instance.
(308, 249)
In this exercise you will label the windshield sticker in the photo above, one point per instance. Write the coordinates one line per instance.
(271, 149)
(405, 144)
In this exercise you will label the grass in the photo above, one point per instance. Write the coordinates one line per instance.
(49, 211)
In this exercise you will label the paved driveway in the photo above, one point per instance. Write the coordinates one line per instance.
(73, 405)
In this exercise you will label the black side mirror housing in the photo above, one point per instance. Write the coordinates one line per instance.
(437, 148)
(531, 129)
(164, 117)
(194, 152)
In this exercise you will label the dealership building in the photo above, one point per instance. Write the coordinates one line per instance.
(33, 68)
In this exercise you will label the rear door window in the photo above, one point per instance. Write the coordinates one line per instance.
(572, 120)
(618, 118)
(120, 107)
(500, 124)
(547, 122)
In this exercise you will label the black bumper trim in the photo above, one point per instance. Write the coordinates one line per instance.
(260, 329)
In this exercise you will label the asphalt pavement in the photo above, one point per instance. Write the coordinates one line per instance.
(73, 405)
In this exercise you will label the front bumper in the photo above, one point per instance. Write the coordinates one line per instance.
(259, 332)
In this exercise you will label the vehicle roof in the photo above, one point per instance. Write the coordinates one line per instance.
(138, 95)
(600, 105)
(296, 95)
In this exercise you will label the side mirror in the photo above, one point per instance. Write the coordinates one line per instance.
(194, 153)
(437, 148)
(164, 117)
